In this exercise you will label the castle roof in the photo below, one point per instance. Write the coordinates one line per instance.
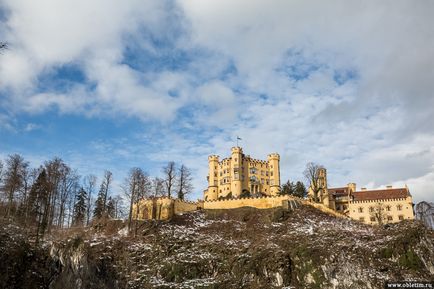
(385, 194)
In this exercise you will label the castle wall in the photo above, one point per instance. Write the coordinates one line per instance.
(184, 206)
(259, 203)
(162, 208)
(324, 209)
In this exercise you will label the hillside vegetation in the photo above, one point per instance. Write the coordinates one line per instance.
(242, 248)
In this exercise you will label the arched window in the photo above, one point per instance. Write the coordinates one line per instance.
(361, 210)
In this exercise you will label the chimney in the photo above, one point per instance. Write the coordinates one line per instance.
(363, 189)
(389, 187)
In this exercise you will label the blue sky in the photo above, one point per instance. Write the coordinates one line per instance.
(114, 85)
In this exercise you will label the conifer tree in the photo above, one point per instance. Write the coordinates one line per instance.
(80, 208)
(111, 208)
(39, 204)
(300, 190)
(101, 201)
(99, 209)
(287, 188)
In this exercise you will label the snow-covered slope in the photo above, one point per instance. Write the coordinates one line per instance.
(243, 248)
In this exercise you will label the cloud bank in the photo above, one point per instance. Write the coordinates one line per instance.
(346, 84)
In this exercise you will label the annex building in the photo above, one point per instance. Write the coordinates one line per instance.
(239, 175)
(382, 206)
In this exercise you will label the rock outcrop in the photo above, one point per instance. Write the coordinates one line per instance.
(242, 248)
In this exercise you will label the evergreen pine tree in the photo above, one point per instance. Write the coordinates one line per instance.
(287, 188)
(99, 209)
(38, 204)
(300, 190)
(111, 208)
(80, 208)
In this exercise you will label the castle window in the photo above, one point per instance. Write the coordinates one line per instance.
(372, 219)
(266, 173)
(401, 217)
(268, 182)
(262, 173)
(236, 159)
(271, 174)
(389, 218)
(361, 210)
(388, 208)
(272, 182)
(262, 181)
(399, 207)
(361, 219)
(371, 209)
(221, 174)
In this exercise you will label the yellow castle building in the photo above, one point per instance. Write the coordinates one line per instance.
(381, 206)
(240, 175)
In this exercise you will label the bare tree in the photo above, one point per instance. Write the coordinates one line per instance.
(136, 187)
(185, 185)
(14, 176)
(118, 206)
(378, 211)
(55, 169)
(312, 175)
(157, 187)
(67, 187)
(1, 171)
(169, 172)
(89, 183)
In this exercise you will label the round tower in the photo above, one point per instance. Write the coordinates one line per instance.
(236, 162)
(212, 193)
(274, 168)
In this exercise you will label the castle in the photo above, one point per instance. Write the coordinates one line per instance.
(240, 175)
(241, 181)
(388, 205)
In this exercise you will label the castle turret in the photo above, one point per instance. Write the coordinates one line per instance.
(236, 164)
(274, 169)
(351, 188)
(212, 193)
(322, 185)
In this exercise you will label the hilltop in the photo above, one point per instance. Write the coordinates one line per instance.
(240, 248)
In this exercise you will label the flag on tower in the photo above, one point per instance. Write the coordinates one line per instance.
(238, 138)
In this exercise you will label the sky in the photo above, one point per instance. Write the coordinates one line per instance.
(108, 84)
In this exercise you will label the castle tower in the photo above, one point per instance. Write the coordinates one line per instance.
(351, 188)
(235, 173)
(322, 184)
(274, 169)
(212, 193)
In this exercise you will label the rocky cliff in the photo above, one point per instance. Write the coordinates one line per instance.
(242, 248)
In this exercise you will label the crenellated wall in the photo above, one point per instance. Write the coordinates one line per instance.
(265, 202)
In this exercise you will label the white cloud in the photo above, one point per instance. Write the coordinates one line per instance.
(370, 127)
